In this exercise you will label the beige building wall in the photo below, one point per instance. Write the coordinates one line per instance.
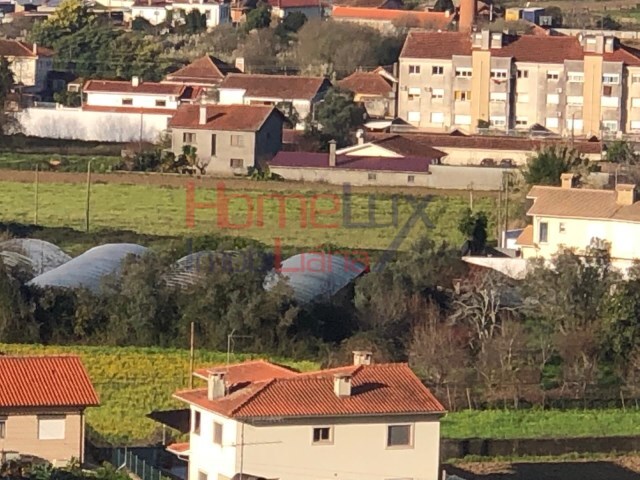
(357, 450)
(21, 435)
(592, 93)
(632, 100)
(217, 462)
(481, 65)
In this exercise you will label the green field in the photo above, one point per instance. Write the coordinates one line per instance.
(135, 381)
(162, 211)
(68, 163)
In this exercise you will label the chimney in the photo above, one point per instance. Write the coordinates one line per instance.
(362, 357)
(360, 136)
(216, 387)
(467, 15)
(149, 2)
(203, 115)
(625, 194)
(342, 384)
(35, 48)
(135, 81)
(240, 64)
(568, 180)
(332, 153)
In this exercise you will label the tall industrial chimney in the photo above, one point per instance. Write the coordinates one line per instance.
(467, 15)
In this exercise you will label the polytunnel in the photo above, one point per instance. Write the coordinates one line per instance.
(315, 275)
(32, 255)
(89, 269)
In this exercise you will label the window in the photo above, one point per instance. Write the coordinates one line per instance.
(413, 116)
(462, 120)
(635, 124)
(610, 125)
(414, 69)
(322, 435)
(553, 99)
(575, 77)
(372, 177)
(609, 101)
(462, 95)
(575, 100)
(399, 436)
(574, 124)
(553, 75)
(414, 92)
(236, 163)
(610, 79)
(551, 122)
(217, 433)
(497, 121)
(51, 427)
(237, 140)
(463, 72)
(607, 91)
(161, 103)
(521, 122)
(498, 96)
(544, 232)
(195, 425)
(437, 94)
(498, 74)
(437, 117)
(411, 179)
(213, 144)
(522, 97)
(3, 427)
(635, 78)
(561, 227)
(127, 101)
(188, 137)
(523, 73)
(437, 70)
(635, 102)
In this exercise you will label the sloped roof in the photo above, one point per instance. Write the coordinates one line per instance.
(526, 236)
(143, 88)
(438, 20)
(523, 48)
(15, 48)
(224, 117)
(51, 381)
(321, 160)
(384, 389)
(367, 83)
(286, 87)
(248, 372)
(205, 70)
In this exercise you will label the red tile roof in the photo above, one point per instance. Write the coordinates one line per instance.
(523, 48)
(51, 381)
(385, 389)
(250, 371)
(205, 70)
(14, 48)
(296, 3)
(167, 112)
(224, 117)
(526, 237)
(286, 87)
(143, 88)
(346, 162)
(367, 83)
(439, 20)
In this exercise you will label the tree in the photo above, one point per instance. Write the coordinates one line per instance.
(294, 21)
(444, 6)
(69, 17)
(259, 17)
(474, 227)
(260, 50)
(8, 122)
(546, 167)
(337, 116)
(556, 15)
(621, 151)
(194, 22)
(67, 98)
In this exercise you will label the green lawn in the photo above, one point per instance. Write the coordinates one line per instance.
(68, 163)
(162, 211)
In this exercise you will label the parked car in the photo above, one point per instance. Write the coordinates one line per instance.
(507, 163)
(488, 162)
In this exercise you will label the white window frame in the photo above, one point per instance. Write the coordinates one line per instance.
(52, 427)
(551, 122)
(522, 122)
(553, 99)
(553, 75)
(464, 72)
(437, 118)
(575, 100)
(522, 73)
(388, 439)
(437, 93)
(498, 121)
(328, 441)
(414, 92)
(575, 124)
(437, 70)
(635, 78)
(499, 73)
(610, 79)
(635, 102)
(635, 124)
(498, 96)
(612, 125)
(613, 102)
(575, 77)
(414, 69)
(218, 430)
(462, 119)
(413, 116)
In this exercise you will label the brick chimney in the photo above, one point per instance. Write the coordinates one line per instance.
(342, 384)
(625, 194)
(568, 180)
(216, 387)
(332, 153)
(467, 16)
(203, 115)
(362, 357)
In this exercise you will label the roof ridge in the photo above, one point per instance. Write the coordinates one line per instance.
(253, 396)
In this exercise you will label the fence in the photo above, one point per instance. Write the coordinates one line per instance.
(141, 468)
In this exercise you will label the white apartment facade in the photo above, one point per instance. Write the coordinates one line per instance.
(269, 429)
(572, 86)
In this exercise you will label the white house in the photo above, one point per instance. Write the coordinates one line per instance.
(153, 12)
(216, 13)
(29, 63)
(310, 8)
(363, 421)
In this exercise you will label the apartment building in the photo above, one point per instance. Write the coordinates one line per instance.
(574, 86)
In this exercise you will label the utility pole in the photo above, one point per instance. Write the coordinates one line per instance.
(87, 207)
(506, 202)
(191, 354)
(35, 216)
(499, 222)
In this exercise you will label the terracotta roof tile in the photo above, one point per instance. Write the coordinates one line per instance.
(286, 87)
(438, 20)
(250, 371)
(347, 162)
(147, 111)
(367, 83)
(376, 389)
(205, 70)
(526, 236)
(143, 88)
(51, 381)
(15, 48)
(223, 117)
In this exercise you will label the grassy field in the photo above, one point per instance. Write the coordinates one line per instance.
(135, 381)
(68, 163)
(162, 211)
